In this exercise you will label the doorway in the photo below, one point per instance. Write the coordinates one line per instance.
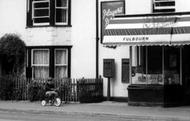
(186, 73)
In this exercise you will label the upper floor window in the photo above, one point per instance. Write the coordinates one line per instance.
(48, 12)
(163, 6)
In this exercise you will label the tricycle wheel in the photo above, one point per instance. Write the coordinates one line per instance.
(43, 103)
(57, 102)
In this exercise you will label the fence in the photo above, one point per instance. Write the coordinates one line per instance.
(70, 90)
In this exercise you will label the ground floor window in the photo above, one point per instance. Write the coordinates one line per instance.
(40, 63)
(156, 65)
(61, 63)
(46, 62)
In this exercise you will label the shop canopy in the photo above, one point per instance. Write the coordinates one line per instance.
(149, 29)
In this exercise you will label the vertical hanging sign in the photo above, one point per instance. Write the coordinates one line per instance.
(108, 10)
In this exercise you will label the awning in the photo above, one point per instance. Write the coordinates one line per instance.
(149, 29)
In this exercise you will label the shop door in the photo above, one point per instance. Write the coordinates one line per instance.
(186, 73)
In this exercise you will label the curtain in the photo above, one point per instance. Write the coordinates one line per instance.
(61, 64)
(41, 64)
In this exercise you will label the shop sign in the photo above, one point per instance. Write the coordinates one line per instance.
(149, 29)
(108, 10)
(159, 21)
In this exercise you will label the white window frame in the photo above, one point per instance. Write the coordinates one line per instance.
(33, 9)
(42, 65)
(61, 65)
(67, 12)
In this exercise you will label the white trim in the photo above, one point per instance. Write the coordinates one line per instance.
(33, 9)
(168, 24)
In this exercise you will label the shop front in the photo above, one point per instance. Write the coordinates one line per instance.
(159, 56)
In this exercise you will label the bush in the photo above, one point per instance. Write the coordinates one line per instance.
(12, 50)
(36, 91)
(6, 90)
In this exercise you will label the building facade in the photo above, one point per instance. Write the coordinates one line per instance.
(72, 39)
(157, 34)
(53, 31)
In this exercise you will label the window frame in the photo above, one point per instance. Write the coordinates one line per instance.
(61, 65)
(33, 11)
(162, 9)
(39, 65)
(32, 58)
(67, 12)
(52, 14)
(66, 64)
(29, 67)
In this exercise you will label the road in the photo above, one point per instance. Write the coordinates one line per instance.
(48, 116)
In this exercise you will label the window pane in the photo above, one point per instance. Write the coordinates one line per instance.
(41, 20)
(172, 65)
(138, 67)
(40, 72)
(41, 12)
(41, 57)
(61, 57)
(61, 3)
(61, 15)
(149, 66)
(60, 72)
(41, 5)
(154, 60)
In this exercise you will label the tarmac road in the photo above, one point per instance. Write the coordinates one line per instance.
(48, 116)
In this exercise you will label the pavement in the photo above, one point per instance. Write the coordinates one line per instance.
(104, 108)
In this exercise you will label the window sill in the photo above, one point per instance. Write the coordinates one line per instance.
(38, 26)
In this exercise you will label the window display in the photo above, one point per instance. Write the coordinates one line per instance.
(156, 65)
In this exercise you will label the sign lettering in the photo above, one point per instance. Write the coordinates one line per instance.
(108, 11)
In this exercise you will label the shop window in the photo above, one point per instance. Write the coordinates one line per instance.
(40, 63)
(163, 6)
(48, 12)
(61, 64)
(148, 69)
(156, 65)
(154, 58)
(172, 65)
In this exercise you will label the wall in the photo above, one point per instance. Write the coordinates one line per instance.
(13, 17)
(118, 89)
(83, 39)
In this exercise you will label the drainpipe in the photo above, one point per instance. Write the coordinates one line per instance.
(97, 39)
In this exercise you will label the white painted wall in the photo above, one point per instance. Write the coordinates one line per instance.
(47, 36)
(83, 39)
(118, 89)
(13, 17)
